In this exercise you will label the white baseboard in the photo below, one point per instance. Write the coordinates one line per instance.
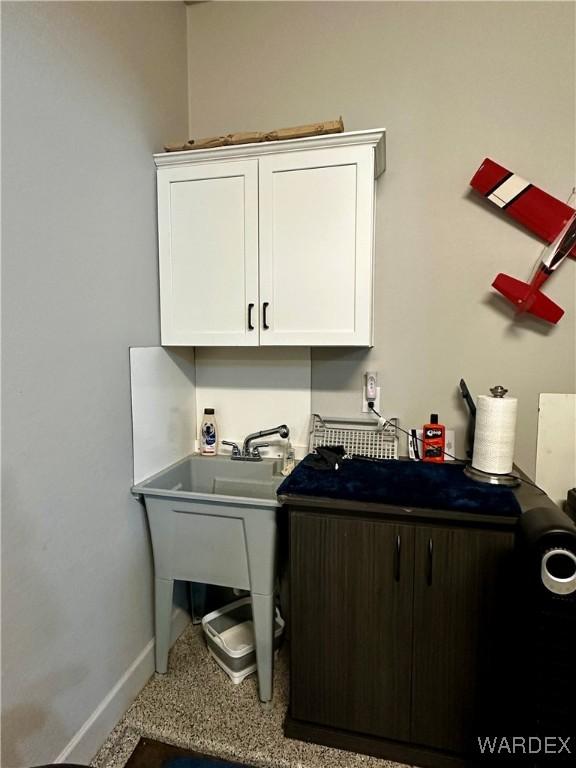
(93, 733)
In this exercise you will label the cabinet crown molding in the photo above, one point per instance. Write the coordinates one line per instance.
(375, 137)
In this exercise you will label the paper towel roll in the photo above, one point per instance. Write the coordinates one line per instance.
(494, 434)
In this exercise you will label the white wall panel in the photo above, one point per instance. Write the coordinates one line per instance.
(556, 450)
(163, 407)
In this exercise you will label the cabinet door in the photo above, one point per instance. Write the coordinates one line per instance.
(351, 587)
(457, 580)
(316, 238)
(208, 239)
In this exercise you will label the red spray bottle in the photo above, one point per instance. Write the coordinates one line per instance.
(433, 440)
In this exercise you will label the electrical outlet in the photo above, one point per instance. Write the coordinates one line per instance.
(365, 408)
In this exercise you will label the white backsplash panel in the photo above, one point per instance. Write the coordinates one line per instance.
(256, 388)
(163, 407)
(556, 447)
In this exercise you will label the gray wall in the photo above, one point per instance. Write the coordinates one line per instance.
(89, 91)
(452, 83)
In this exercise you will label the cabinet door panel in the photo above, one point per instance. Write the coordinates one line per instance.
(457, 579)
(208, 235)
(316, 228)
(351, 614)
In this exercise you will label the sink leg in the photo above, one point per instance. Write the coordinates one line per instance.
(263, 615)
(261, 550)
(163, 593)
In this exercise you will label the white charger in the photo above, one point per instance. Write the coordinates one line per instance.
(371, 382)
(370, 392)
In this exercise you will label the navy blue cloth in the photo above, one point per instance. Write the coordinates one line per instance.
(199, 762)
(403, 483)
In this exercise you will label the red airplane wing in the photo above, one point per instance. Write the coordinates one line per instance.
(545, 308)
(527, 298)
(531, 206)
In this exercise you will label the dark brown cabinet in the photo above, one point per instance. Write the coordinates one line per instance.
(457, 575)
(351, 622)
(392, 628)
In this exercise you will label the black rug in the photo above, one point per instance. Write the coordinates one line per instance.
(402, 483)
(154, 754)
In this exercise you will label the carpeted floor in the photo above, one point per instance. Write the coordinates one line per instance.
(197, 707)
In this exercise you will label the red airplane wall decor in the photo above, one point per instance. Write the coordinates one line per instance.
(549, 218)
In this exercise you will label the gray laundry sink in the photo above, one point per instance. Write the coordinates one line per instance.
(213, 520)
(211, 476)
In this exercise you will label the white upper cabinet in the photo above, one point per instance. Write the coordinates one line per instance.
(269, 244)
(208, 236)
(316, 225)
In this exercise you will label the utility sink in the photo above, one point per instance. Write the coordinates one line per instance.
(209, 476)
(213, 520)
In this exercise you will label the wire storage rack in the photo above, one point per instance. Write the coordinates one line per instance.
(359, 436)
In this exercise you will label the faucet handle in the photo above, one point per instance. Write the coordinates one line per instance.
(235, 449)
(255, 452)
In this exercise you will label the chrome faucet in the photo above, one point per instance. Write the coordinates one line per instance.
(250, 450)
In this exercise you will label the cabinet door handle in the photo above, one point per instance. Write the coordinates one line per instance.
(250, 325)
(264, 320)
(430, 562)
(397, 558)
